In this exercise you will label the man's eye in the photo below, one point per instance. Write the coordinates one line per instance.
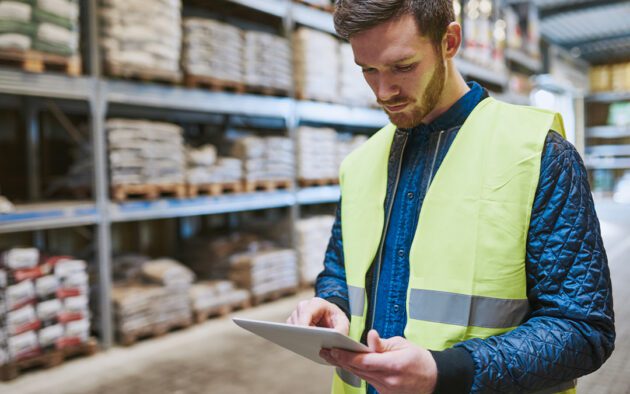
(368, 70)
(404, 68)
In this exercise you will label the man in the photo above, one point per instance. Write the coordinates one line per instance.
(466, 251)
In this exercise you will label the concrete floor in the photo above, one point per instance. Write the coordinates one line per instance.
(219, 358)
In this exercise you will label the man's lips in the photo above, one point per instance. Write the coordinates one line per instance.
(395, 107)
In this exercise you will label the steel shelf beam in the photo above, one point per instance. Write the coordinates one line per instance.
(608, 132)
(311, 111)
(45, 85)
(172, 208)
(608, 97)
(277, 8)
(29, 217)
(607, 163)
(318, 195)
(311, 17)
(476, 71)
(532, 64)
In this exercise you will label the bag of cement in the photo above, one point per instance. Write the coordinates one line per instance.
(46, 286)
(48, 336)
(23, 346)
(5, 204)
(168, 272)
(14, 41)
(67, 267)
(48, 310)
(20, 258)
(15, 11)
(20, 294)
(22, 320)
(3, 279)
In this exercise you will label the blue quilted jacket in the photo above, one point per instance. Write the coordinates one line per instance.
(570, 330)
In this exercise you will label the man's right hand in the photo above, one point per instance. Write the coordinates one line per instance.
(321, 313)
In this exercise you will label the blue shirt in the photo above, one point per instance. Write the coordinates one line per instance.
(425, 149)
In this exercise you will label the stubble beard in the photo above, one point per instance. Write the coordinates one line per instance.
(428, 103)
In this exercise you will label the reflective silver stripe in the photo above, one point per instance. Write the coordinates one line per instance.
(349, 378)
(466, 310)
(357, 300)
(559, 388)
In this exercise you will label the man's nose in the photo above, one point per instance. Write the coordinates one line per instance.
(387, 89)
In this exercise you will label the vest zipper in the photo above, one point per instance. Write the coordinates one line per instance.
(435, 155)
(385, 228)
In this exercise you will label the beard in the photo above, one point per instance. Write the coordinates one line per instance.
(417, 112)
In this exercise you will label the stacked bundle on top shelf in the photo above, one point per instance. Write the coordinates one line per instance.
(610, 77)
(346, 143)
(316, 65)
(150, 297)
(213, 53)
(353, 89)
(316, 148)
(46, 308)
(267, 62)
(265, 158)
(313, 235)
(144, 152)
(49, 27)
(142, 38)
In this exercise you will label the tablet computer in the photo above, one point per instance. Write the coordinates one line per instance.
(305, 341)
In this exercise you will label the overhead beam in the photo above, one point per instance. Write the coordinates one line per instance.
(549, 11)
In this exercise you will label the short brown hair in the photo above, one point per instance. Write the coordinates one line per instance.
(432, 16)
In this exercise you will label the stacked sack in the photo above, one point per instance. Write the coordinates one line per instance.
(346, 143)
(313, 235)
(353, 89)
(49, 26)
(145, 152)
(46, 304)
(317, 153)
(265, 158)
(212, 296)
(153, 296)
(204, 167)
(316, 65)
(213, 49)
(141, 35)
(267, 60)
(265, 272)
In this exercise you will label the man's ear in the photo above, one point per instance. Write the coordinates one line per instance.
(452, 40)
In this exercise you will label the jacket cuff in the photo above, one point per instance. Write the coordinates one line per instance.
(456, 370)
(341, 303)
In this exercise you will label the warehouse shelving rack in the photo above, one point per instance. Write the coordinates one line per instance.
(100, 92)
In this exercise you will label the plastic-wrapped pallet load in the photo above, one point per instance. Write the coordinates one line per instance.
(213, 49)
(353, 89)
(145, 152)
(46, 304)
(316, 148)
(316, 65)
(153, 297)
(57, 26)
(205, 167)
(142, 37)
(17, 27)
(346, 143)
(313, 235)
(267, 60)
(265, 273)
(210, 297)
(265, 158)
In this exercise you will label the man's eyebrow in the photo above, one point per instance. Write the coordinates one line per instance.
(401, 60)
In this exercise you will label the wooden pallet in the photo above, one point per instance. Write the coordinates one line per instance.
(214, 84)
(215, 189)
(144, 74)
(318, 182)
(47, 360)
(327, 8)
(38, 62)
(148, 192)
(223, 310)
(268, 186)
(267, 91)
(274, 295)
(155, 331)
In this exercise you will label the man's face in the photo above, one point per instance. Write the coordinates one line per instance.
(403, 68)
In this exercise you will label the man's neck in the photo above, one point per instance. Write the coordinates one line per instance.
(455, 87)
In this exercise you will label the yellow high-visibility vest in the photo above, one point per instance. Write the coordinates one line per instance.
(467, 260)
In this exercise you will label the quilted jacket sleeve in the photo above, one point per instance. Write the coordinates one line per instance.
(331, 282)
(570, 331)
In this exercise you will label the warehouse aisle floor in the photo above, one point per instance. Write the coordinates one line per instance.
(219, 358)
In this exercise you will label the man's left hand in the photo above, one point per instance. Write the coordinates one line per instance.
(394, 366)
